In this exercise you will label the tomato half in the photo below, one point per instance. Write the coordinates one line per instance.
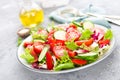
(59, 51)
(72, 34)
(38, 47)
(27, 44)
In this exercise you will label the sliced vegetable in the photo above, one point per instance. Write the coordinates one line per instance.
(35, 65)
(94, 46)
(27, 44)
(38, 46)
(34, 55)
(79, 61)
(88, 42)
(97, 36)
(79, 51)
(91, 56)
(60, 35)
(40, 41)
(64, 66)
(49, 61)
(71, 53)
(59, 51)
(88, 25)
(104, 42)
(72, 34)
(43, 53)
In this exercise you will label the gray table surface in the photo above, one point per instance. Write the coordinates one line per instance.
(11, 69)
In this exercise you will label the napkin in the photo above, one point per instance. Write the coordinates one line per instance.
(68, 14)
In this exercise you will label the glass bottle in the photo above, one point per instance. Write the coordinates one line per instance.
(31, 14)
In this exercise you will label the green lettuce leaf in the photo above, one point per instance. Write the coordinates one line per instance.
(19, 41)
(64, 59)
(108, 34)
(71, 45)
(27, 56)
(35, 35)
(86, 34)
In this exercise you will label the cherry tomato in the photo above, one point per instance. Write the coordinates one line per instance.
(38, 47)
(49, 61)
(59, 51)
(72, 54)
(72, 34)
(79, 61)
(27, 44)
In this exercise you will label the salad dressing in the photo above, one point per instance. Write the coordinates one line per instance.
(31, 14)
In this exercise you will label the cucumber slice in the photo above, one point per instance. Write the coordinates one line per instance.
(42, 41)
(60, 35)
(88, 25)
(43, 53)
(91, 56)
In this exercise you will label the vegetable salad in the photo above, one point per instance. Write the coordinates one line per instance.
(66, 46)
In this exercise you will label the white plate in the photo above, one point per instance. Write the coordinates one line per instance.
(28, 66)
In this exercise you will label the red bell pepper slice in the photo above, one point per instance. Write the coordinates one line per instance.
(71, 53)
(49, 61)
(79, 61)
(89, 42)
(104, 42)
(34, 55)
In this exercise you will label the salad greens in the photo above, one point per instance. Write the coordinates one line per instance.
(90, 57)
(64, 63)
(40, 36)
(71, 45)
(108, 34)
(27, 56)
(58, 48)
(86, 34)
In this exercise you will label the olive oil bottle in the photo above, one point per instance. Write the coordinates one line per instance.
(31, 14)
